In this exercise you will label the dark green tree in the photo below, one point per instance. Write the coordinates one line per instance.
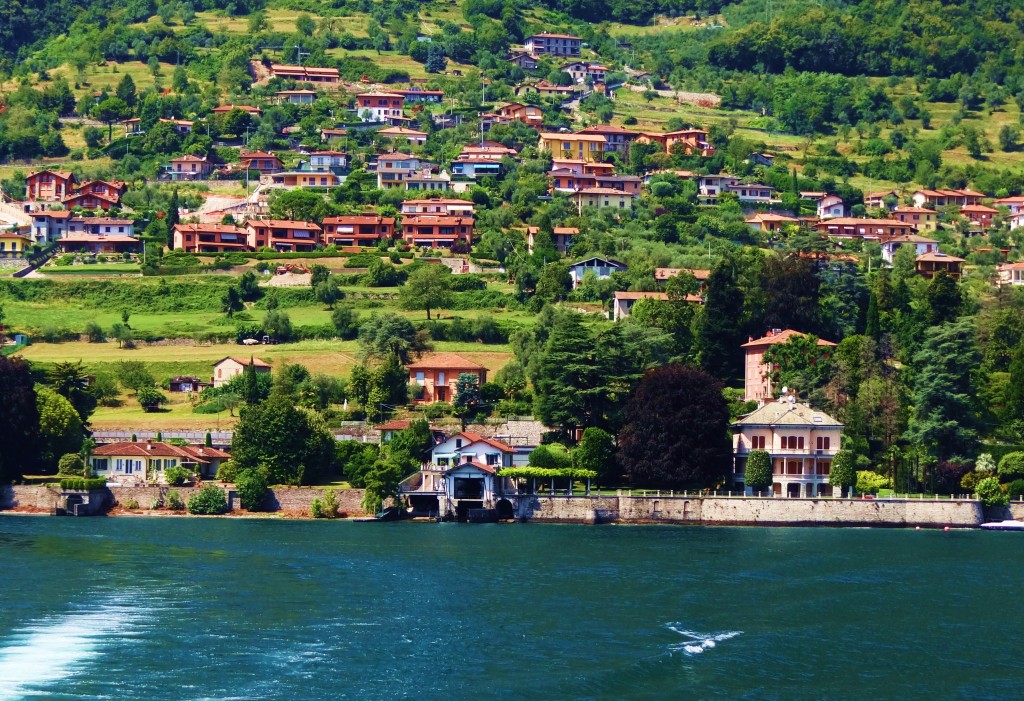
(428, 287)
(759, 471)
(843, 471)
(294, 444)
(231, 302)
(945, 301)
(719, 326)
(596, 451)
(71, 381)
(19, 416)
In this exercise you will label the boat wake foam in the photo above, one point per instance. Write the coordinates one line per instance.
(695, 642)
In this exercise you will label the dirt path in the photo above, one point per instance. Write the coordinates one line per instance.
(700, 99)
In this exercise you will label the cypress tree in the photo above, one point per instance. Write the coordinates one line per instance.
(873, 328)
(172, 218)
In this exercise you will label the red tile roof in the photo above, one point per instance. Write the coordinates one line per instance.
(445, 361)
(780, 337)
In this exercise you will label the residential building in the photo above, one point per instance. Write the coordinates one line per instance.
(979, 215)
(182, 126)
(602, 197)
(873, 229)
(800, 441)
(86, 242)
(225, 109)
(687, 141)
(584, 147)
(553, 44)
(757, 381)
(523, 59)
(283, 235)
(88, 200)
(14, 245)
(49, 185)
(438, 374)
(186, 383)
(583, 71)
(296, 97)
(49, 225)
(751, 192)
(100, 225)
(210, 238)
(334, 161)
(327, 77)
(264, 162)
(146, 462)
(601, 267)
(1010, 274)
(188, 167)
(417, 95)
(921, 246)
(622, 303)
(379, 106)
(830, 207)
(227, 368)
(1014, 204)
(358, 230)
(928, 265)
(473, 167)
(290, 179)
(561, 237)
(921, 218)
(327, 134)
(770, 222)
(527, 114)
(617, 139)
(441, 205)
(437, 231)
(763, 159)
(701, 275)
(393, 168)
(934, 199)
(427, 181)
(413, 136)
(877, 200)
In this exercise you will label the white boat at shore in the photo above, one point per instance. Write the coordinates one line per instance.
(1004, 526)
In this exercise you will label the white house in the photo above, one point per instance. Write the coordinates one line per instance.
(49, 225)
(227, 368)
(831, 206)
(602, 267)
(800, 441)
(146, 462)
(921, 246)
(328, 160)
(1011, 274)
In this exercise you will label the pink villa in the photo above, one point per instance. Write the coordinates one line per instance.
(757, 382)
(439, 373)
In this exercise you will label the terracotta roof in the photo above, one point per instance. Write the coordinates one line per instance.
(243, 362)
(83, 237)
(979, 208)
(283, 224)
(494, 443)
(210, 228)
(552, 35)
(445, 361)
(602, 191)
(780, 337)
(402, 131)
(397, 157)
(782, 413)
(913, 210)
(641, 295)
(666, 273)
(478, 465)
(52, 213)
(190, 453)
(937, 257)
(910, 238)
(359, 219)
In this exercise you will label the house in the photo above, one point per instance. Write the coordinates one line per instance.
(602, 197)
(358, 230)
(437, 231)
(418, 95)
(473, 167)
(763, 159)
(979, 215)
(283, 235)
(441, 205)
(710, 186)
(921, 246)
(553, 44)
(249, 109)
(393, 168)
(527, 114)
(296, 97)
(327, 77)
(327, 134)
(188, 167)
(210, 238)
(49, 185)
(770, 222)
(933, 199)
(333, 161)
(379, 106)
(14, 245)
(101, 225)
(523, 59)
(262, 161)
(427, 181)
(584, 147)
(84, 242)
(583, 71)
(751, 192)
(437, 375)
(877, 200)
(1014, 204)
(601, 267)
(146, 462)
(757, 381)
(182, 126)
(290, 179)
(686, 141)
(227, 368)
(617, 139)
(82, 200)
(830, 207)
(49, 225)
(928, 265)
(1010, 274)
(561, 237)
(466, 446)
(800, 441)
(921, 218)
(873, 229)
(186, 383)
(701, 275)
(622, 303)
(413, 136)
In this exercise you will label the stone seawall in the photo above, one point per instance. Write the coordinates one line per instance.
(294, 501)
(739, 511)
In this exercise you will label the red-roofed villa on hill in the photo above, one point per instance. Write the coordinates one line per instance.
(757, 383)
(438, 375)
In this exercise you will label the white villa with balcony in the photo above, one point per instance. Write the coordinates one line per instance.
(800, 440)
(462, 475)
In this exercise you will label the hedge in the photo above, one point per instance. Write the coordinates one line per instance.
(547, 473)
(83, 484)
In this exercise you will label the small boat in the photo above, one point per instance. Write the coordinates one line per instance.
(1004, 526)
(391, 513)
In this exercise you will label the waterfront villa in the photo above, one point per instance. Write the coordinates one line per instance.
(227, 368)
(757, 384)
(146, 462)
(438, 375)
(800, 441)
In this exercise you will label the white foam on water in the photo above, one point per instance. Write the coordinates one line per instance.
(51, 649)
(695, 642)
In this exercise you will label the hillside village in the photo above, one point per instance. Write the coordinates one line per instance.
(502, 272)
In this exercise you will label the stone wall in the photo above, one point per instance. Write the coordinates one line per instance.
(34, 497)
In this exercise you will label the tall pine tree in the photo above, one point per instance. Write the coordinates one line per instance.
(719, 331)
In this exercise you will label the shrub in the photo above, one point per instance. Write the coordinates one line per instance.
(228, 471)
(970, 481)
(437, 410)
(327, 507)
(83, 484)
(985, 464)
(842, 472)
(71, 464)
(94, 333)
(174, 502)
(131, 504)
(1015, 488)
(252, 486)
(176, 476)
(759, 471)
(1011, 467)
(869, 482)
(991, 492)
(208, 501)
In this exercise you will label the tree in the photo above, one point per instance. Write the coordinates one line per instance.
(1011, 466)
(134, 375)
(125, 91)
(249, 287)
(389, 334)
(278, 325)
(253, 394)
(252, 488)
(318, 274)
(327, 292)
(596, 451)
(150, 398)
(675, 436)
(1008, 138)
(208, 501)
(305, 24)
(382, 482)
(19, 417)
(944, 298)
(111, 110)
(428, 287)
(294, 444)
(1015, 387)
(436, 60)
(759, 471)
(60, 426)
(719, 325)
(467, 396)
(346, 322)
(71, 381)
(231, 301)
(299, 205)
(567, 379)
(991, 492)
(842, 472)
(71, 464)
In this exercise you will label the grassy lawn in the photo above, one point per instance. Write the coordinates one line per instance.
(93, 269)
(176, 414)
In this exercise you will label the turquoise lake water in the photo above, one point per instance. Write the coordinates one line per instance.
(162, 608)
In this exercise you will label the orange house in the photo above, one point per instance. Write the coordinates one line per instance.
(49, 185)
(438, 376)
(358, 230)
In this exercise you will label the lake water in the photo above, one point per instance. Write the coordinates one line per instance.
(166, 608)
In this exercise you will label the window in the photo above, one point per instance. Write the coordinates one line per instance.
(420, 378)
(757, 443)
(824, 443)
(493, 458)
(440, 378)
(442, 462)
(458, 443)
(119, 465)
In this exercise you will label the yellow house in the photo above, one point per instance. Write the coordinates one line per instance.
(582, 147)
(13, 245)
(602, 197)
